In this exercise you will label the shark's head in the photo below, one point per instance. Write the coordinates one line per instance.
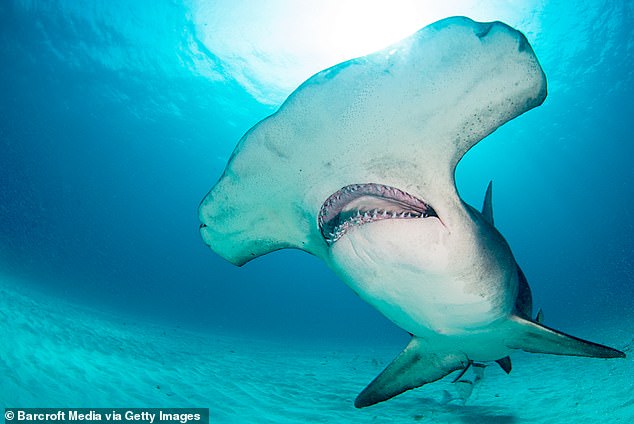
(394, 123)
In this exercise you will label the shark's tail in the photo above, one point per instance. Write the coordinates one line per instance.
(531, 336)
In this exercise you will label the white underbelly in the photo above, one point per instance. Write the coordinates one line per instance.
(420, 304)
(422, 290)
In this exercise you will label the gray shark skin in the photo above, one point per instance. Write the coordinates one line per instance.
(357, 168)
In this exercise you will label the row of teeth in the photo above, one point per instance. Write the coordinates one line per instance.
(376, 188)
(377, 214)
(366, 217)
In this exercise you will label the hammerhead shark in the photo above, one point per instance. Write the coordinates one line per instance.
(357, 168)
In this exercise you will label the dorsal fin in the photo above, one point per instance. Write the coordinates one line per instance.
(539, 318)
(487, 206)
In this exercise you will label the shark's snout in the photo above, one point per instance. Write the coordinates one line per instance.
(203, 218)
(203, 230)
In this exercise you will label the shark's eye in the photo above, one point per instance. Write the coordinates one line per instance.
(359, 204)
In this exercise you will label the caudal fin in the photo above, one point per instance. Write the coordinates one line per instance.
(413, 368)
(534, 337)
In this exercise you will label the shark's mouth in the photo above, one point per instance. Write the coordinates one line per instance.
(360, 204)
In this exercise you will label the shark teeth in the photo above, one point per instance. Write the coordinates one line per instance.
(360, 204)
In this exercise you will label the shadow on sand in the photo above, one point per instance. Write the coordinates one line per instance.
(469, 414)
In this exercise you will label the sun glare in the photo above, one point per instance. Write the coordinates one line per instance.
(359, 27)
(271, 47)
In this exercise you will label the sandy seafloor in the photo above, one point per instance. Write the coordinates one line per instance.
(57, 354)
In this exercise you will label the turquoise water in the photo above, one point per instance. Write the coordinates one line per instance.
(117, 117)
(60, 353)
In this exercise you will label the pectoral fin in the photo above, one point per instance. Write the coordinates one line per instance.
(537, 338)
(414, 367)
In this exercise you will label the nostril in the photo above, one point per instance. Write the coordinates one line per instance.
(202, 226)
(483, 30)
(523, 44)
